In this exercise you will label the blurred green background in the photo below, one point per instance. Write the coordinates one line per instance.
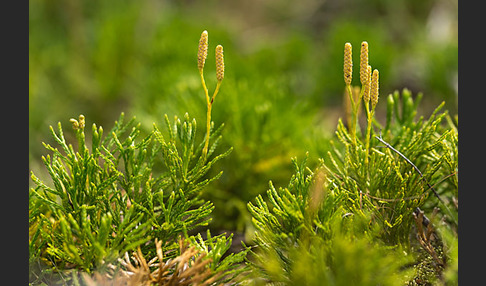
(283, 89)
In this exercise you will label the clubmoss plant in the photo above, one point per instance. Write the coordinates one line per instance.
(379, 208)
(304, 234)
(392, 189)
(119, 192)
(371, 190)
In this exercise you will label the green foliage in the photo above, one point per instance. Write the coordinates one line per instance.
(282, 90)
(360, 203)
(339, 260)
(116, 193)
(451, 250)
(217, 248)
(109, 198)
(87, 206)
(387, 185)
(306, 237)
(290, 216)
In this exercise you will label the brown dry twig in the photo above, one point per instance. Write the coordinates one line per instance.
(189, 268)
(426, 234)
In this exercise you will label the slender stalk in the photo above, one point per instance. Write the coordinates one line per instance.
(208, 127)
(366, 89)
(352, 123)
(204, 86)
(348, 76)
(201, 60)
(208, 114)
(371, 95)
(215, 92)
(219, 77)
(369, 115)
